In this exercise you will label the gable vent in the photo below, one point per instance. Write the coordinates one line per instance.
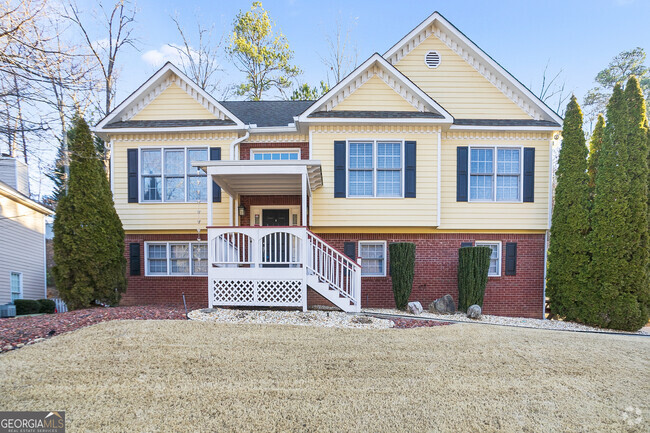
(432, 59)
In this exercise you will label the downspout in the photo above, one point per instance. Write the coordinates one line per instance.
(547, 233)
(234, 157)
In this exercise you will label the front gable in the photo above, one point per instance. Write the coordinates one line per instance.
(168, 101)
(373, 95)
(376, 92)
(467, 81)
(174, 103)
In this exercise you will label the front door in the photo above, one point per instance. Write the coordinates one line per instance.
(274, 247)
(275, 217)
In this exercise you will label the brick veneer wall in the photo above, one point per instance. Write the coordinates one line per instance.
(435, 274)
(436, 268)
(144, 290)
(245, 148)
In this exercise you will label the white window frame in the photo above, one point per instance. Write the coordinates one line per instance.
(162, 150)
(499, 254)
(20, 285)
(384, 245)
(495, 149)
(169, 273)
(374, 167)
(276, 150)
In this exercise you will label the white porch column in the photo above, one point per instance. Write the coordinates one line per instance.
(230, 207)
(209, 199)
(237, 210)
(303, 210)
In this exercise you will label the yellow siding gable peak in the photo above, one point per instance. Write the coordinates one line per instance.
(375, 82)
(168, 95)
(502, 87)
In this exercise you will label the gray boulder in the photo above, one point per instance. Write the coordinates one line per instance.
(415, 308)
(444, 305)
(474, 312)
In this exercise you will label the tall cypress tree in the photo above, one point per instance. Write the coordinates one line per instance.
(610, 237)
(637, 169)
(89, 238)
(595, 144)
(568, 257)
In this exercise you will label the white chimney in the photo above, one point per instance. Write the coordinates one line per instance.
(14, 173)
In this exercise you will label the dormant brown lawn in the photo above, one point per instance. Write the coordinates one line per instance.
(192, 376)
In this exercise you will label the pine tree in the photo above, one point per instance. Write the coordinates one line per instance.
(637, 169)
(89, 238)
(610, 237)
(595, 144)
(568, 260)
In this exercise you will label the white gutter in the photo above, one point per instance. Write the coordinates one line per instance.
(439, 176)
(545, 268)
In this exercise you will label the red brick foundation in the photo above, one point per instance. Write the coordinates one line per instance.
(144, 290)
(436, 268)
(435, 274)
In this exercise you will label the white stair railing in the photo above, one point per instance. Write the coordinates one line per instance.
(339, 271)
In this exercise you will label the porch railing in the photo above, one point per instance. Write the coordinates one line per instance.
(268, 266)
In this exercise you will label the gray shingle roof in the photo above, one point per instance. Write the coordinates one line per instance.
(505, 122)
(169, 123)
(377, 114)
(266, 113)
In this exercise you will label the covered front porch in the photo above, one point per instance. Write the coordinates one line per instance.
(272, 260)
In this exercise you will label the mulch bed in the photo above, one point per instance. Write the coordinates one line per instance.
(415, 323)
(18, 331)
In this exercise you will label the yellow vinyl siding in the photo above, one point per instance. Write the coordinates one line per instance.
(495, 215)
(456, 85)
(374, 95)
(173, 104)
(376, 212)
(165, 216)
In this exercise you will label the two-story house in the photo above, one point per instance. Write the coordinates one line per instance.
(294, 203)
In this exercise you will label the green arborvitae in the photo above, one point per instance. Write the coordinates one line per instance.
(568, 257)
(638, 288)
(610, 237)
(402, 267)
(473, 269)
(595, 145)
(88, 234)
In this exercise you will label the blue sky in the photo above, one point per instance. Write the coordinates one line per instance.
(579, 37)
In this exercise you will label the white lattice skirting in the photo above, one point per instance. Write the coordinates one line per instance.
(269, 293)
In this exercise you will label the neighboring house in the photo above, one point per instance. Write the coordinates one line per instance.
(432, 142)
(22, 236)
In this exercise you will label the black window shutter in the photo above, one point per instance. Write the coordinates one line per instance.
(339, 169)
(409, 173)
(134, 258)
(466, 244)
(529, 174)
(350, 250)
(461, 173)
(215, 155)
(132, 170)
(511, 258)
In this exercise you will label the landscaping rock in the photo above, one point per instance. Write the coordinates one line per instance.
(444, 305)
(474, 312)
(362, 319)
(415, 308)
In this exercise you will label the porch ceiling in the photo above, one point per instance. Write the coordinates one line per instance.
(245, 177)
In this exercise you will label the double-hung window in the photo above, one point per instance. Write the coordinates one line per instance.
(495, 258)
(177, 258)
(373, 258)
(375, 169)
(167, 175)
(495, 174)
(275, 155)
(16, 283)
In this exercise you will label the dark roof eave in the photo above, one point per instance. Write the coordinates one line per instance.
(506, 122)
(184, 123)
(344, 114)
